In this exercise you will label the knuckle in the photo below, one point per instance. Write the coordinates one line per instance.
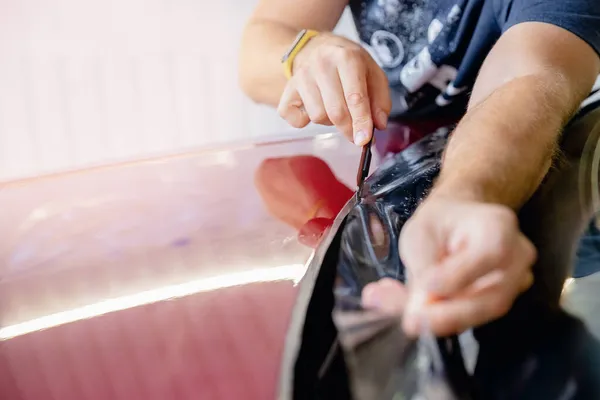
(528, 281)
(302, 73)
(297, 122)
(315, 113)
(500, 242)
(502, 307)
(356, 99)
(337, 52)
(501, 247)
(293, 116)
(337, 114)
(324, 59)
(323, 66)
(360, 121)
(457, 326)
(504, 215)
(530, 251)
(318, 116)
(283, 110)
(525, 252)
(351, 54)
(510, 218)
(498, 308)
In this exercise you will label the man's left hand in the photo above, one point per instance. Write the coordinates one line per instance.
(466, 261)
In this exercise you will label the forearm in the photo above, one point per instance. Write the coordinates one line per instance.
(504, 146)
(270, 32)
(531, 83)
(260, 73)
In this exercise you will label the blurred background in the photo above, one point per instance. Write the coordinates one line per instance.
(87, 82)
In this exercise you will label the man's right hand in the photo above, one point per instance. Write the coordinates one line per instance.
(336, 82)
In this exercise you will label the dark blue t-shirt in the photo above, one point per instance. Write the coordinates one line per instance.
(432, 50)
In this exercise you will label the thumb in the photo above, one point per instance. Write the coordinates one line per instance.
(421, 249)
(387, 295)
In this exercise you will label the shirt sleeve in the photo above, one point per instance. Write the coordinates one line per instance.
(580, 17)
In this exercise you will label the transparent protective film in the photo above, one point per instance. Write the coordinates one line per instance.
(536, 351)
(385, 364)
(382, 362)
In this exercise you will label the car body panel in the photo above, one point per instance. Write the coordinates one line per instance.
(163, 278)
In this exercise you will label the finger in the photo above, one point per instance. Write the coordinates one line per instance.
(332, 94)
(379, 93)
(291, 107)
(387, 295)
(463, 269)
(528, 251)
(476, 306)
(526, 282)
(311, 97)
(352, 74)
(455, 316)
(421, 249)
(458, 271)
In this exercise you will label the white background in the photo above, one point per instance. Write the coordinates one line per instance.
(84, 82)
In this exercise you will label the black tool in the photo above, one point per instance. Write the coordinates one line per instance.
(364, 165)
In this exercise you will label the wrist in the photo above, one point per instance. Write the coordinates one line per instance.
(304, 55)
(471, 188)
(303, 40)
(447, 191)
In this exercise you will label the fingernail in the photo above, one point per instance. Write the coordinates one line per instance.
(382, 119)
(360, 138)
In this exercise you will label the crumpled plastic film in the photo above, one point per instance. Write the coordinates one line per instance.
(383, 363)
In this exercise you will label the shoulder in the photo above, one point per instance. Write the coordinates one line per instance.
(580, 17)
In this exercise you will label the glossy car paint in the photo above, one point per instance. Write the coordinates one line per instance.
(159, 279)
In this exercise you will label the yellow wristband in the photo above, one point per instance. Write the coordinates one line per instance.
(301, 41)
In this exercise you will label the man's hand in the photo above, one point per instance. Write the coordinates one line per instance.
(466, 261)
(467, 257)
(336, 82)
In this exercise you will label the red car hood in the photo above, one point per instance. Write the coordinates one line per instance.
(161, 279)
